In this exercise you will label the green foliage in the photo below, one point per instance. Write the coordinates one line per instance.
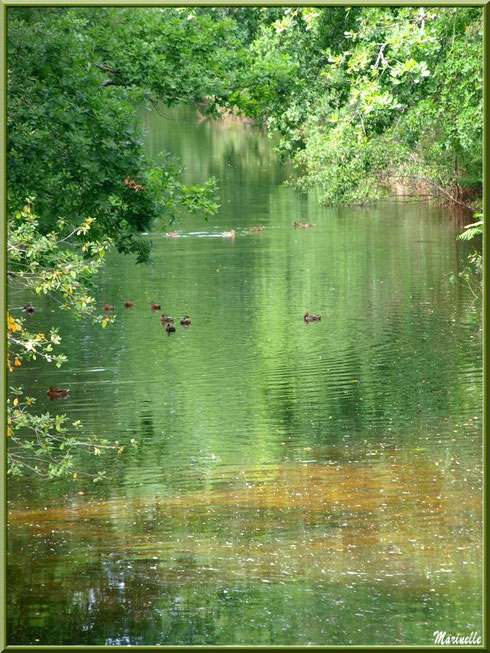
(76, 78)
(472, 272)
(366, 97)
(45, 444)
(361, 97)
(48, 264)
(474, 229)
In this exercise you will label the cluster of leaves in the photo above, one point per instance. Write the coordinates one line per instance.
(364, 97)
(23, 345)
(472, 272)
(53, 264)
(48, 264)
(78, 79)
(45, 444)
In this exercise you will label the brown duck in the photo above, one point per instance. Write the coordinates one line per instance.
(128, 304)
(155, 306)
(312, 317)
(166, 318)
(108, 307)
(256, 229)
(186, 320)
(57, 393)
(295, 224)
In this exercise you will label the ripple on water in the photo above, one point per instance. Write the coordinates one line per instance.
(307, 477)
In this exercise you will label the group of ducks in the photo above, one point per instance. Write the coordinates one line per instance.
(62, 393)
(303, 224)
(169, 322)
(225, 234)
(232, 233)
(155, 306)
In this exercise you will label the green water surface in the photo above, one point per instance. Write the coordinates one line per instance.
(293, 484)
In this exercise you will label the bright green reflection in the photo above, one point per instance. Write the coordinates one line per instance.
(293, 484)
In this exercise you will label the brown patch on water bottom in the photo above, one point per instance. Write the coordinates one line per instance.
(391, 519)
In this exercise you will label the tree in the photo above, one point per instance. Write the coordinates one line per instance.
(47, 264)
(76, 81)
(367, 97)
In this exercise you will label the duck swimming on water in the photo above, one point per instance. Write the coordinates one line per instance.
(312, 317)
(186, 320)
(155, 306)
(108, 307)
(57, 393)
(128, 304)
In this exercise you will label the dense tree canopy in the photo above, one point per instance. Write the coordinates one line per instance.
(361, 97)
(365, 97)
(76, 81)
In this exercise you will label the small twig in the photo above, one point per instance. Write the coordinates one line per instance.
(154, 104)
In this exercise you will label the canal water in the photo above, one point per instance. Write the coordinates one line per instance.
(292, 483)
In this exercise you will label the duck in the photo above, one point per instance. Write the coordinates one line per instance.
(108, 307)
(256, 229)
(129, 304)
(28, 308)
(57, 393)
(305, 225)
(295, 224)
(186, 320)
(155, 306)
(228, 234)
(170, 328)
(172, 234)
(312, 317)
(166, 318)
